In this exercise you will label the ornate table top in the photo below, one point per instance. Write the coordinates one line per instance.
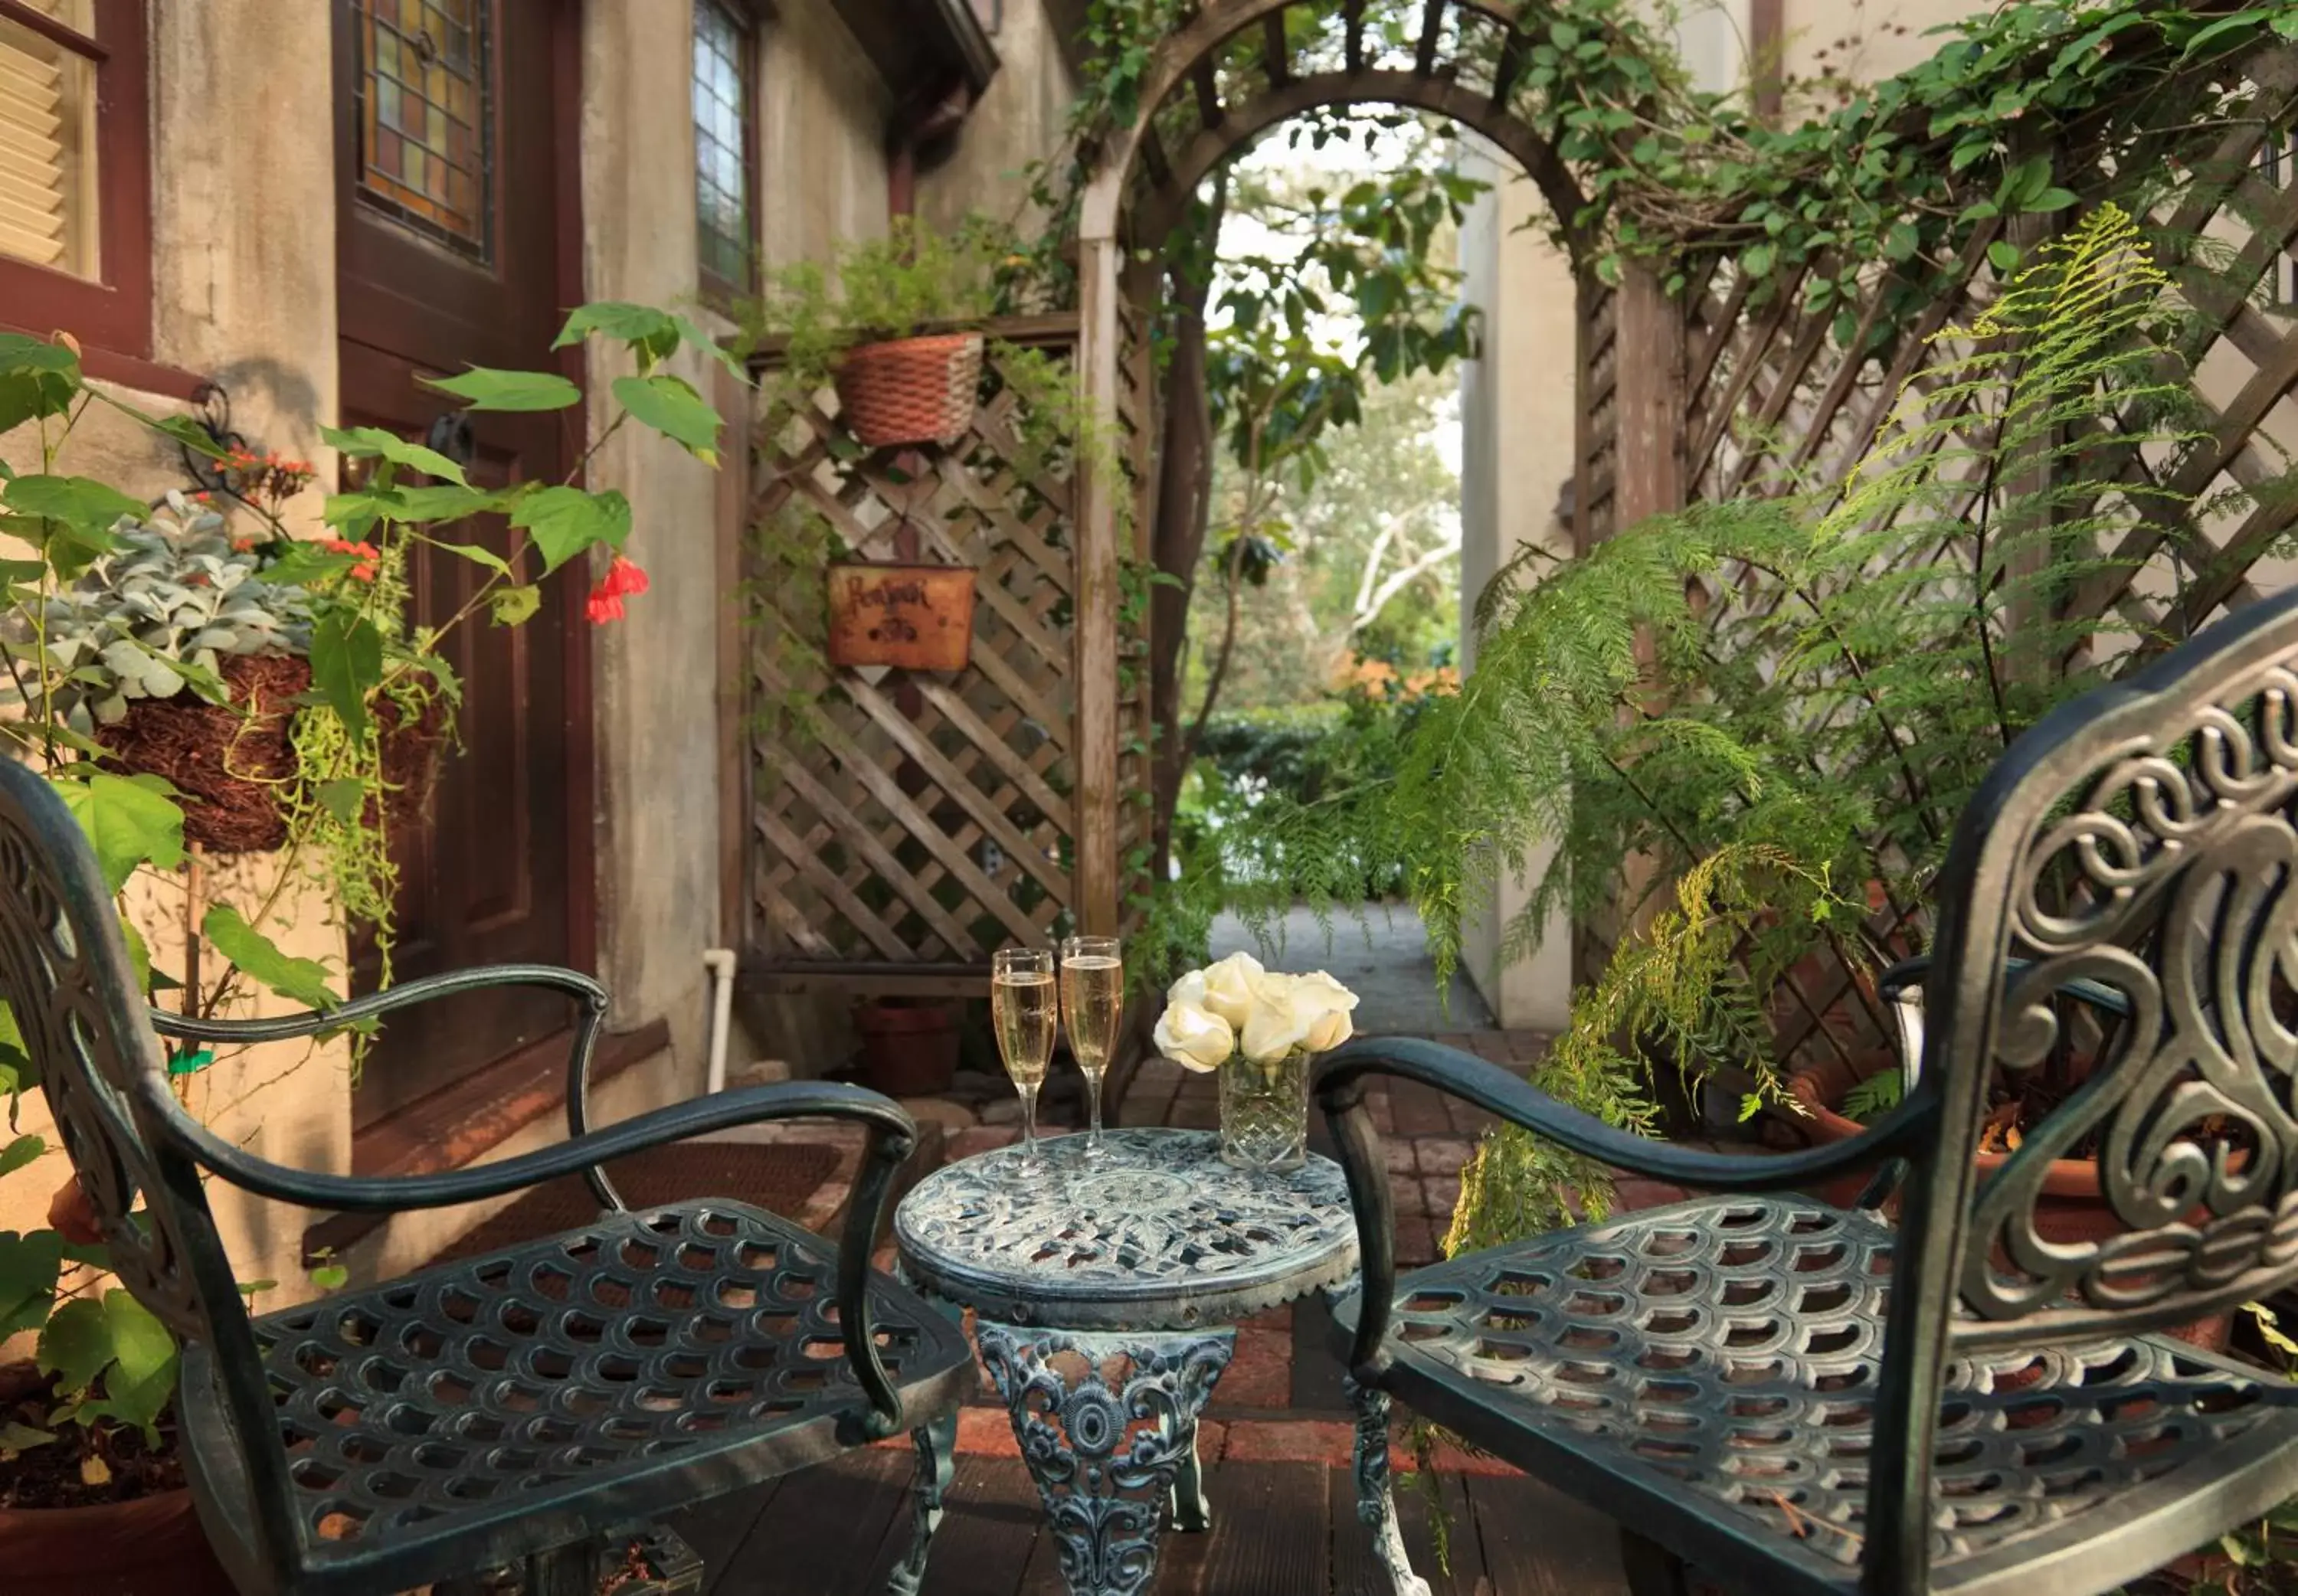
(1158, 1234)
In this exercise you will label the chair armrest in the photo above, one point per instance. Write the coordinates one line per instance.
(589, 994)
(1341, 1082)
(892, 1137)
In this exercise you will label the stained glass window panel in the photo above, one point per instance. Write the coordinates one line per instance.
(426, 133)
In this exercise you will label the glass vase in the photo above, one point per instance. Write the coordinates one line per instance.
(1264, 1113)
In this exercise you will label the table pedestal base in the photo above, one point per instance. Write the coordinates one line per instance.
(1108, 1425)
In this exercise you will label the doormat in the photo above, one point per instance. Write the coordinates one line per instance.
(779, 1177)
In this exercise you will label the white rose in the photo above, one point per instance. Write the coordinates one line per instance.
(1189, 989)
(1295, 1013)
(1229, 987)
(1194, 1038)
(1333, 1002)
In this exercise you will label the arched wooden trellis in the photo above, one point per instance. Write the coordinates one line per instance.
(1234, 70)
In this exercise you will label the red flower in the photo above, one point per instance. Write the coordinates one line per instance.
(623, 579)
(363, 571)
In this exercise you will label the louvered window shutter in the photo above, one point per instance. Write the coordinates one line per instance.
(47, 195)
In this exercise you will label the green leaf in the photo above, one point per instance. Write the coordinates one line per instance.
(671, 407)
(14, 1155)
(139, 1341)
(1901, 243)
(76, 1346)
(1757, 259)
(190, 1061)
(2054, 199)
(344, 799)
(515, 606)
(128, 820)
(652, 335)
(189, 433)
(696, 338)
(22, 1438)
(565, 522)
(36, 378)
(371, 442)
(330, 1276)
(442, 502)
(2003, 253)
(139, 955)
(2246, 19)
(485, 388)
(85, 508)
(299, 980)
(346, 666)
(307, 563)
(477, 555)
(30, 1265)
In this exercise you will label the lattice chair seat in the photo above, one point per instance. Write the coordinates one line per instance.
(623, 1355)
(1719, 1358)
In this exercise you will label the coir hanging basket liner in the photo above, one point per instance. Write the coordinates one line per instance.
(227, 762)
(912, 390)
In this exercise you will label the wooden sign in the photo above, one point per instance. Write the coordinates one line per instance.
(919, 618)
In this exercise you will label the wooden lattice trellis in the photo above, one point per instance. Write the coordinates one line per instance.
(1767, 397)
(906, 823)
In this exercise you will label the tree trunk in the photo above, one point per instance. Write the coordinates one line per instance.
(1178, 539)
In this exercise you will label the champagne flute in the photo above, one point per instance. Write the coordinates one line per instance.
(1022, 1004)
(1093, 1006)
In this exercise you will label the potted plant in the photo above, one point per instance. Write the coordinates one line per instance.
(894, 324)
(285, 659)
(909, 1045)
(181, 661)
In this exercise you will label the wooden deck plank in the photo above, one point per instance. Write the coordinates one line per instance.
(717, 1528)
(988, 1530)
(1269, 1531)
(825, 1530)
(1538, 1541)
(1464, 1573)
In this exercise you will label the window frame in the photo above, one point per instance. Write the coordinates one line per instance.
(110, 314)
(750, 23)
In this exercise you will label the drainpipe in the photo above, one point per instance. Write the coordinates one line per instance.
(720, 963)
(915, 128)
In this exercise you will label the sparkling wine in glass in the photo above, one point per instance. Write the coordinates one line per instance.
(1023, 1008)
(1093, 1007)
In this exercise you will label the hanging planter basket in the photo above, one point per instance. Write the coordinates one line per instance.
(411, 753)
(227, 763)
(912, 390)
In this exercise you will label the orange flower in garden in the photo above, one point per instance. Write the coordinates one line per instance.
(624, 580)
(364, 571)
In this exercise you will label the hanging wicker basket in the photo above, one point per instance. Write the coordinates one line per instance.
(411, 752)
(912, 390)
(228, 765)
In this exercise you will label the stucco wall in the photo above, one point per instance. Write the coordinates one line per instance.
(244, 235)
(1517, 411)
(823, 115)
(1021, 120)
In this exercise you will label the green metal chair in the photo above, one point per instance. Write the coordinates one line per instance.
(512, 1412)
(1795, 1398)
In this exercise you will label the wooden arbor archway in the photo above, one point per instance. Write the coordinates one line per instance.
(1235, 69)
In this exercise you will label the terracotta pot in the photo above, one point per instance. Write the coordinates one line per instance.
(908, 1050)
(2071, 1208)
(119, 1548)
(910, 391)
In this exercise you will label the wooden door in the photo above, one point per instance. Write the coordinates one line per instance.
(453, 222)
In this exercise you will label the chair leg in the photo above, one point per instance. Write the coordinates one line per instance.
(1651, 1569)
(935, 1442)
(1375, 1495)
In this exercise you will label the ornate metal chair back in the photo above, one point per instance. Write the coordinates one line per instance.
(2140, 838)
(66, 975)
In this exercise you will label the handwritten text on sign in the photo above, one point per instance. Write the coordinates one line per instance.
(919, 617)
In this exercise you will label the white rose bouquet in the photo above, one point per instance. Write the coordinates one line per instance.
(1236, 1009)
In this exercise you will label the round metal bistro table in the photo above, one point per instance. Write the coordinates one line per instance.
(1106, 1294)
